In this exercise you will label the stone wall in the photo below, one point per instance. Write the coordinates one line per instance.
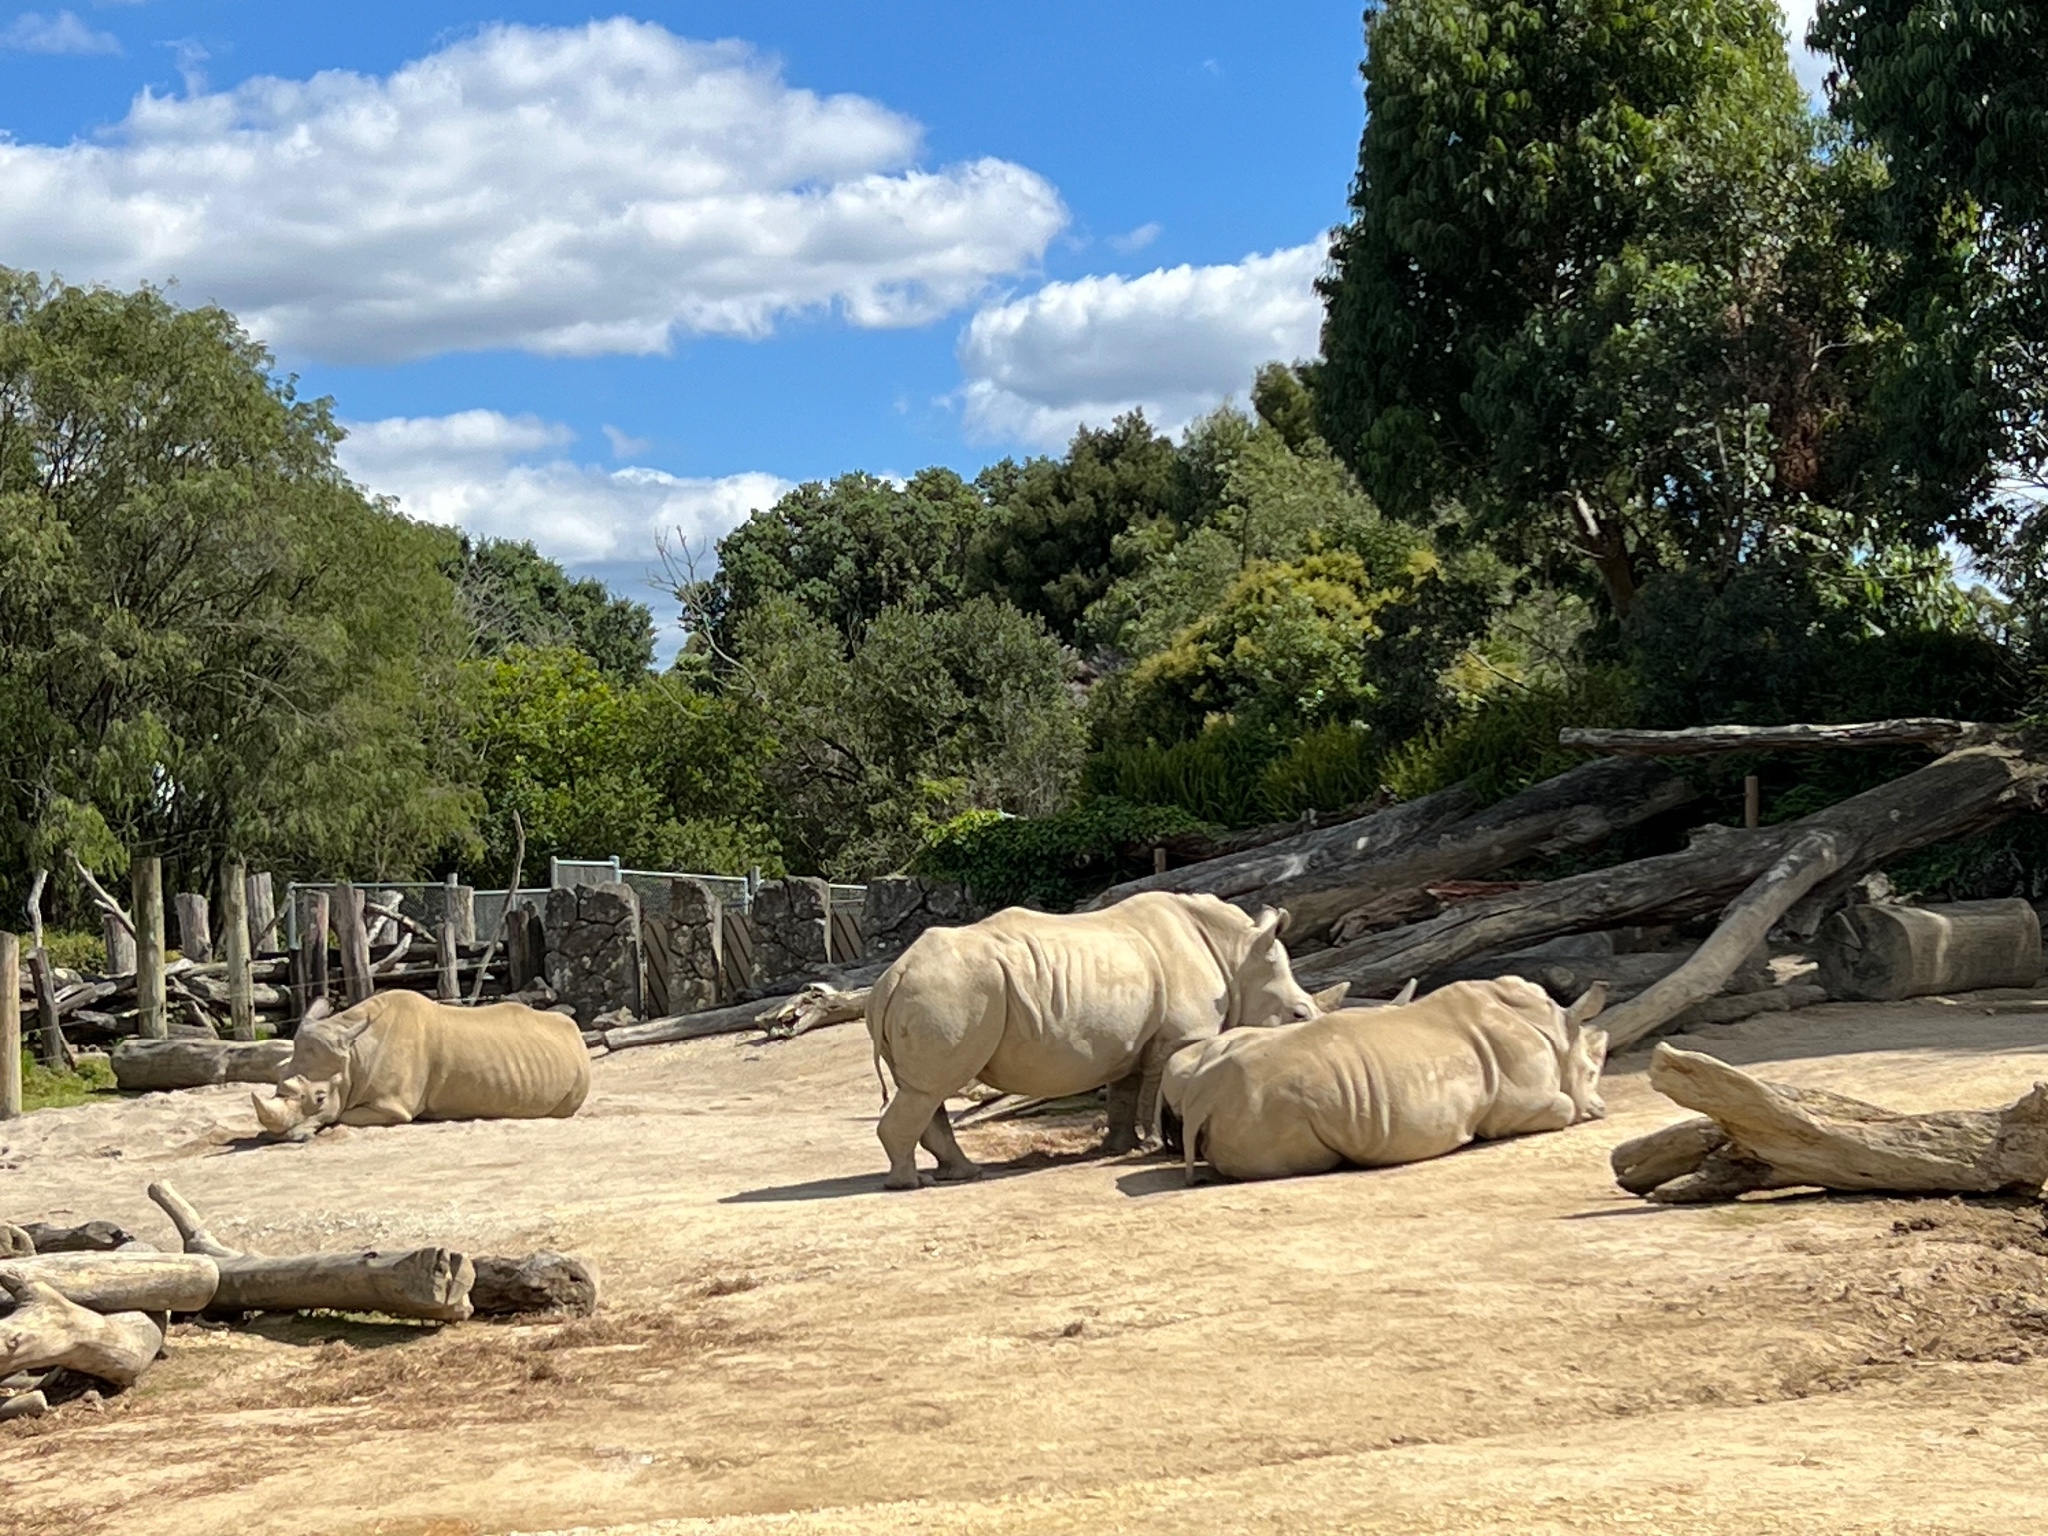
(898, 908)
(696, 946)
(593, 938)
(790, 920)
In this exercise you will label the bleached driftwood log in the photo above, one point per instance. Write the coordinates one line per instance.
(14, 1242)
(125, 1280)
(45, 1331)
(1884, 953)
(1760, 1135)
(818, 1005)
(1952, 797)
(87, 1237)
(1946, 735)
(733, 1018)
(429, 1283)
(1373, 871)
(159, 1065)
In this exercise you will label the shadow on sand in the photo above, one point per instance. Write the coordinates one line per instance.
(870, 1183)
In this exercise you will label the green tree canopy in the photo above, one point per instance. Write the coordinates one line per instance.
(515, 596)
(191, 658)
(1599, 284)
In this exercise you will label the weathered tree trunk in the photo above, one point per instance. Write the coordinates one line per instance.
(525, 948)
(817, 1005)
(539, 1282)
(195, 927)
(352, 938)
(120, 943)
(310, 981)
(234, 922)
(10, 1026)
(15, 1243)
(483, 970)
(46, 1331)
(23, 1405)
(88, 1237)
(144, 1066)
(1743, 929)
(49, 1022)
(1882, 954)
(146, 876)
(1955, 796)
(125, 1281)
(1947, 735)
(733, 1018)
(1760, 1135)
(259, 903)
(447, 980)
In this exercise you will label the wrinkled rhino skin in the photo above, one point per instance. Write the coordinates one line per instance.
(1043, 1004)
(1474, 1061)
(398, 1057)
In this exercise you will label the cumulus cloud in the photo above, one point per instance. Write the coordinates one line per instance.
(33, 32)
(1176, 341)
(510, 477)
(563, 190)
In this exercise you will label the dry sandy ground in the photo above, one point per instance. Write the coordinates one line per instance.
(1499, 1341)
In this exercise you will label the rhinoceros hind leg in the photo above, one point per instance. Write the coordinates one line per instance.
(955, 1167)
(902, 1125)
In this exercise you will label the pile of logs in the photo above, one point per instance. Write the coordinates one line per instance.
(1415, 890)
(87, 1308)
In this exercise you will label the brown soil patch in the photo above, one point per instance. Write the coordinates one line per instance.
(1499, 1341)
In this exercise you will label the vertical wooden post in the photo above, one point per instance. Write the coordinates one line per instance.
(50, 1027)
(449, 986)
(523, 948)
(1158, 861)
(262, 908)
(146, 878)
(234, 943)
(353, 939)
(1752, 802)
(195, 927)
(10, 1026)
(120, 946)
(311, 961)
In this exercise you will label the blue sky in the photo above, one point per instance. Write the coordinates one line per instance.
(581, 277)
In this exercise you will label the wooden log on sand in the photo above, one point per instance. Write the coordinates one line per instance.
(46, 1331)
(125, 1280)
(87, 1237)
(1760, 1135)
(538, 1282)
(1884, 953)
(147, 1066)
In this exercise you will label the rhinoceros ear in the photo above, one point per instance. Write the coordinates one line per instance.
(1588, 1007)
(1286, 922)
(316, 1010)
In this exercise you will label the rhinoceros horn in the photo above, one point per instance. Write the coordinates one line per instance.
(271, 1114)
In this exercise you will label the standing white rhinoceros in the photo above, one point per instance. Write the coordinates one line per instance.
(398, 1057)
(1033, 1003)
(1372, 1087)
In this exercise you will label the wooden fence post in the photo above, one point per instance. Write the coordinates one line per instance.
(1752, 802)
(195, 927)
(448, 988)
(310, 963)
(120, 946)
(146, 878)
(52, 1029)
(234, 943)
(10, 1026)
(353, 939)
(262, 909)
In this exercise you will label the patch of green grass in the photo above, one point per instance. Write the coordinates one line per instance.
(42, 1088)
(86, 952)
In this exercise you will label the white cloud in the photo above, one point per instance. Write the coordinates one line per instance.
(1137, 239)
(625, 445)
(1176, 341)
(32, 32)
(508, 477)
(588, 190)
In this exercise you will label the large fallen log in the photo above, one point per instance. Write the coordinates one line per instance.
(160, 1065)
(735, 1018)
(428, 1283)
(1374, 871)
(125, 1281)
(1884, 953)
(46, 1331)
(1946, 735)
(816, 1006)
(1955, 796)
(87, 1237)
(1760, 1135)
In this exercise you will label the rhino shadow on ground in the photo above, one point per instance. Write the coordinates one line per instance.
(870, 1183)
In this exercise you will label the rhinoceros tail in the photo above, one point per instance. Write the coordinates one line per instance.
(878, 1008)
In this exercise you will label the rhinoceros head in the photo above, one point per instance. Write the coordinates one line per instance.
(314, 1091)
(1263, 992)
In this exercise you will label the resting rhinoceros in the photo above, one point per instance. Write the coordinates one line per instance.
(1373, 1087)
(1048, 1005)
(398, 1057)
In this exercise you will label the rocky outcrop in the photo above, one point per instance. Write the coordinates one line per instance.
(900, 907)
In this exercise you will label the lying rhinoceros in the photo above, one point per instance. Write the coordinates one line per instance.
(398, 1056)
(1373, 1087)
(1046, 1005)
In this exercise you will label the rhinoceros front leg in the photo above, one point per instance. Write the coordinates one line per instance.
(1124, 1096)
(376, 1112)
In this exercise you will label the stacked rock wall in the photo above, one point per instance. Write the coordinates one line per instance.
(791, 921)
(899, 907)
(696, 947)
(593, 938)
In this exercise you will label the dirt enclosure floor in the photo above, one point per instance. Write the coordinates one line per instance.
(1500, 1341)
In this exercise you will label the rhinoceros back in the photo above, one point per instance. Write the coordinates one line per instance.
(504, 1062)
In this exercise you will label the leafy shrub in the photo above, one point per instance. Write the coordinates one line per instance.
(1509, 740)
(1216, 776)
(85, 952)
(1325, 770)
(1048, 862)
